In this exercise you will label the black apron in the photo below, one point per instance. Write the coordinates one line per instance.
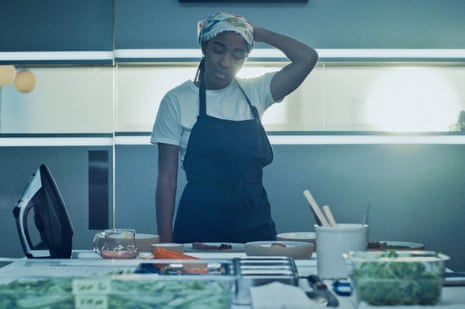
(224, 199)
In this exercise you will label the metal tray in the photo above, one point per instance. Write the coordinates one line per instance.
(256, 271)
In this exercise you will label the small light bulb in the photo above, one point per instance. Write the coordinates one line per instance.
(25, 81)
(7, 74)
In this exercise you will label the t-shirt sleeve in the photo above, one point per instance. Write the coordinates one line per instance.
(167, 128)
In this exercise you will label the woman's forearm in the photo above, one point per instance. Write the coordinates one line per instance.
(295, 50)
(302, 60)
(165, 210)
(166, 190)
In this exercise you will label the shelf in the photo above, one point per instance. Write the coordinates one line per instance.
(311, 138)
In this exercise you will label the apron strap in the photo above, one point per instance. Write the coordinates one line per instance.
(202, 100)
(252, 107)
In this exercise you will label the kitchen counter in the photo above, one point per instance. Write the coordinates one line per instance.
(87, 263)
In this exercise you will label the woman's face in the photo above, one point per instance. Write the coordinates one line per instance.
(224, 56)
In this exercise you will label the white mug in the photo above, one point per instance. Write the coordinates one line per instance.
(332, 242)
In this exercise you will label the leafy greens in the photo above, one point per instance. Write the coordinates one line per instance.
(397, 282)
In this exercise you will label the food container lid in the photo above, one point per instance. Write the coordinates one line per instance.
(395, 256)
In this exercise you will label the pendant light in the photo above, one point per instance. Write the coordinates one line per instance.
(25, 81)
(7, 74)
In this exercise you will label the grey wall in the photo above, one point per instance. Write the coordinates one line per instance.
(55, 25)
(322, 23)
(416, 191)
(69, 167)
(88, 24)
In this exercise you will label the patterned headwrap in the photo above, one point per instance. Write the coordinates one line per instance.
(211, 26)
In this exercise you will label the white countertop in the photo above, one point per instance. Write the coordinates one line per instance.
(88, 263)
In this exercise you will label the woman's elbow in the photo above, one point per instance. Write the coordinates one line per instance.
(311, 59)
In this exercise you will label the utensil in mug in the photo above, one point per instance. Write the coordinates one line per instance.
(329, 215)
(319, 217)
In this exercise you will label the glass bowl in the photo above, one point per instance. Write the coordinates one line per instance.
(393, 278)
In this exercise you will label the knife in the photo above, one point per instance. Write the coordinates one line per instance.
(320, 291)
(454, 279)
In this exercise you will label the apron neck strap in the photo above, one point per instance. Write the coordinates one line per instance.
(202, 98)
(252, 107)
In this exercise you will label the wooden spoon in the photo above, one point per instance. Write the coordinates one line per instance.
(319, 217)
(329, 215)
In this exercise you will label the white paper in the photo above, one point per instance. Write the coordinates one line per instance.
(277, 295)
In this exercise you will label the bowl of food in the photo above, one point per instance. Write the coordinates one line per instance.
(144, 241)
(298, 236)
(294, 249)
(394, 245)
(179, 248)
(118, 244)
(392, 278)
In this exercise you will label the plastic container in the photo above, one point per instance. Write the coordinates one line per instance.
(122, 291)
(393, 278)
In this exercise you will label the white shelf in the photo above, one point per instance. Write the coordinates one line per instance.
(288, 139)
(256, 54)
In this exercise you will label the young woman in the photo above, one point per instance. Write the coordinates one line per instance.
(212, 125)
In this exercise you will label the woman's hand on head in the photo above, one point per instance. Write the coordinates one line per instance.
(258, 34)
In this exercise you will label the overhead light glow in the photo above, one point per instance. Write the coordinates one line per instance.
(412, 99)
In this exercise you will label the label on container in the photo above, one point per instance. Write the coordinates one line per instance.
(100, 286)
(91, 301)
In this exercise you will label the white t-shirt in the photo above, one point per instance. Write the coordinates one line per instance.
(179, 108)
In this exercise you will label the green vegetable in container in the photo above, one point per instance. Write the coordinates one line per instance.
(396, 282)
(58, 293)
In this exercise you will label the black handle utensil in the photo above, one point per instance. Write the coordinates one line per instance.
(320, 292)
